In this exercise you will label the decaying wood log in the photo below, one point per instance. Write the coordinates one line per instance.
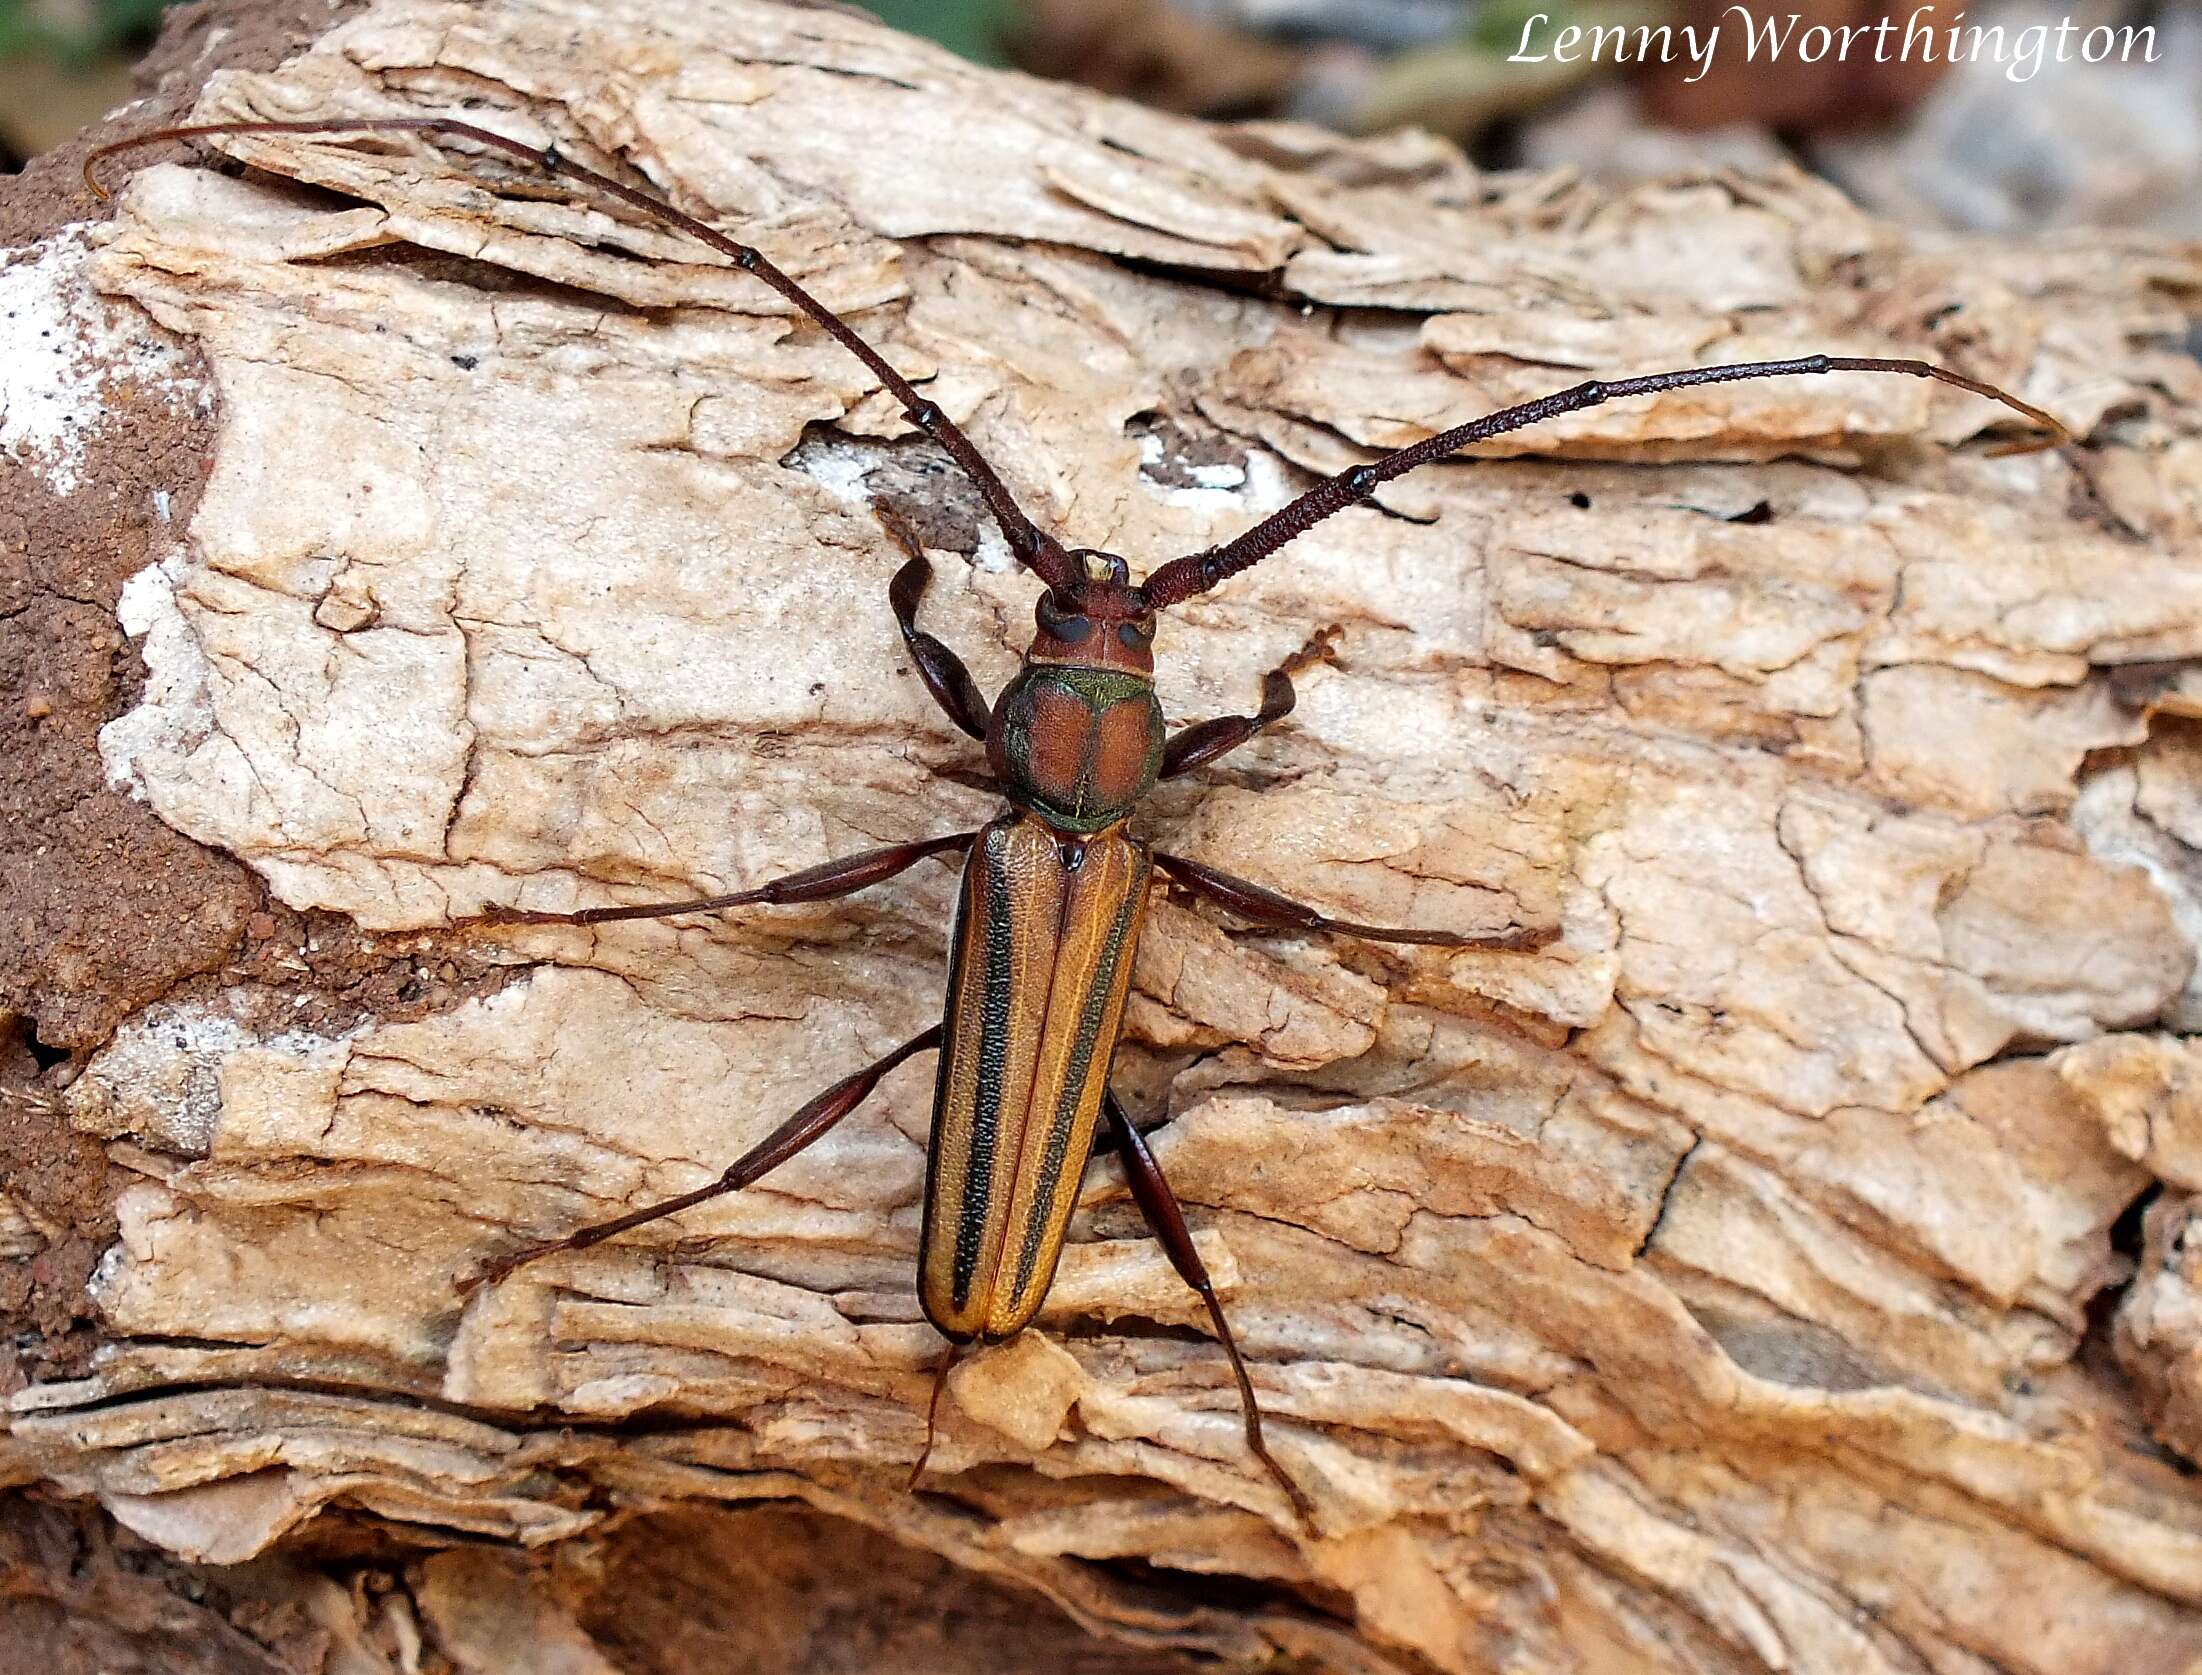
(1744, 1282)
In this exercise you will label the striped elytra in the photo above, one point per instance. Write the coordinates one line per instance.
(1046, 926)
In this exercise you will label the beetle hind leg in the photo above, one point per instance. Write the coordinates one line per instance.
(808, 1124)
(828, 881)
(1159, 1205)
(1258, 905)
(932, 1411)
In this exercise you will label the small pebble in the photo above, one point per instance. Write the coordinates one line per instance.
(38, 706)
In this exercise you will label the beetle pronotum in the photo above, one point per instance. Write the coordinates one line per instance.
(1055, 889)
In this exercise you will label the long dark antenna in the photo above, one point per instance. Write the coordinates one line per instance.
(1182, 578)
(1033, 547)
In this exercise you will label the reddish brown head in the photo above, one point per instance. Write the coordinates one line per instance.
(1100, 621)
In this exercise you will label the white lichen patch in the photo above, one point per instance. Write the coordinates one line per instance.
(174, 718)
(159, 1082)
(65, 353)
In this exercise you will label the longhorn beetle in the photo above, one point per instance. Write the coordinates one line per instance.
(1054, 889)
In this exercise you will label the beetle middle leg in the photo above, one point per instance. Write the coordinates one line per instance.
(1250, 901)
(824, 882)
(1167, 1221)
(1196, 746)
(808, 1124)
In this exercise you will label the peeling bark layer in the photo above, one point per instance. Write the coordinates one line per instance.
(1730, 1286)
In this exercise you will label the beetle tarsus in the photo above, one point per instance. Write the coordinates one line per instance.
(498, 1271)
(1159, 1205)
(932, 1415)
(1250, 1410)
(1205, 741)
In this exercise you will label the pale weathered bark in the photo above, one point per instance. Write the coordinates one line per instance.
(1709, 1291)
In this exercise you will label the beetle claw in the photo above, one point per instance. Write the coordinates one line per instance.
(499, 1269)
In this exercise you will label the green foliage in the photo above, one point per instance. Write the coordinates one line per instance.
(1498, 25)
(972, 28)
(1466, 84)
(102, 27)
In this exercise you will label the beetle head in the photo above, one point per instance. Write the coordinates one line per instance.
(1100, 621)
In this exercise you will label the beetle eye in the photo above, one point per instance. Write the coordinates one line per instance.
(1136, 636)
(1070, 627)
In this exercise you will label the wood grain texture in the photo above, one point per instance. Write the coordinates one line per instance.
(1745, 1282)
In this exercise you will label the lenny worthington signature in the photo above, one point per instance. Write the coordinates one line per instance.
(1918, 39)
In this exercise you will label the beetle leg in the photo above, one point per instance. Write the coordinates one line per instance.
(1159, 1205)
(1248, 900)
(1104, 1139)
(932, 1413)
(823, 882)
(1204, 741)
(940, 669)
(818, 1115)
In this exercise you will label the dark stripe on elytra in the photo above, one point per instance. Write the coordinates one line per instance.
(944, 1063)
(1081, 1057)
(997, 933)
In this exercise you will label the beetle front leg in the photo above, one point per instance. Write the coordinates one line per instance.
(940, 669)
(823, 882)
(791, 1137)
(1250, 901)
(1204, 741)
(1167, 1221)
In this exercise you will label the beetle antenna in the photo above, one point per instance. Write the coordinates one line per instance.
(1182, 578)
(1033, 547)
